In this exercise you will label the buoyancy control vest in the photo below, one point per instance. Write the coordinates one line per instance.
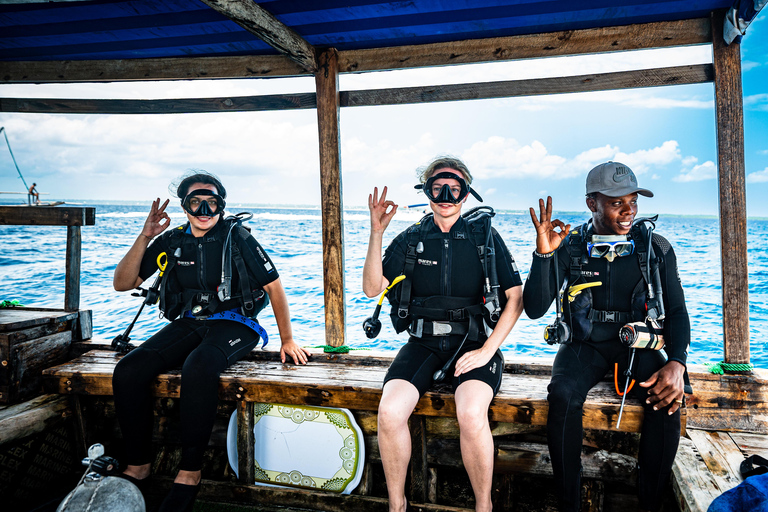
(175, 299)
(646, 301)
(445, 315)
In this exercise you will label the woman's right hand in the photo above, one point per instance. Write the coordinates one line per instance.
(547, 239)
(157, 220)
(380, 217)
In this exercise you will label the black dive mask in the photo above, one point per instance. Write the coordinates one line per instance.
(203, 203)
(444, 194)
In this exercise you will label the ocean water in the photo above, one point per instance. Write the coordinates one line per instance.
(32, 271)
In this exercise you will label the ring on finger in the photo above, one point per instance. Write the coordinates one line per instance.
(679, 402)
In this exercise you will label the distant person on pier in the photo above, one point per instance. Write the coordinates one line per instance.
(460, 281)
(212, 324)
(32, 192)
(621, 278)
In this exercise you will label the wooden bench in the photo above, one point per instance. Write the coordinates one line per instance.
(350, 382)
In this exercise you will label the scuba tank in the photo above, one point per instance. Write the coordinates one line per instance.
(99, 491)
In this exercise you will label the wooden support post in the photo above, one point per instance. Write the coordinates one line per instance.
(327, 85)
(245, 443)
(419, 468)
(72, 277)
(733, 192)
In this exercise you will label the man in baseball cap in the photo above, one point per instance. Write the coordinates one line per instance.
(604, 265)
(615, 180)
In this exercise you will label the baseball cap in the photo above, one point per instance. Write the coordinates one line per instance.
(614, 179)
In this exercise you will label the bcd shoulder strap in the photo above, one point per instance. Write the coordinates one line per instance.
(414, 237)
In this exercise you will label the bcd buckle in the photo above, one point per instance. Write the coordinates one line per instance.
(441, 328)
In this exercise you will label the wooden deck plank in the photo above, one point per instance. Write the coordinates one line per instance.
(12, 319)
(721, 455)
(751, 444)
(692, 483)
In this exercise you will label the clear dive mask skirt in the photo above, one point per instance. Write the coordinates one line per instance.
(610, 246)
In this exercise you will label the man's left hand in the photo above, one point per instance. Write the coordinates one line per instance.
(666, 387)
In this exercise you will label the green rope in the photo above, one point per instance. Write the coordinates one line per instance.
(344, 349)
(11, 304)
(723, 367)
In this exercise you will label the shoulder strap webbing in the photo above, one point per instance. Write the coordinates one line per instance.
(577, 251)
(414, 236)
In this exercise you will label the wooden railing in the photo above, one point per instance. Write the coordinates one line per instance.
(71, 216)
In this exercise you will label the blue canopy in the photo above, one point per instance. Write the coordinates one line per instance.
(128, 29)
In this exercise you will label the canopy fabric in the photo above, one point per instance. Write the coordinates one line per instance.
(129, 29)
(739, 17)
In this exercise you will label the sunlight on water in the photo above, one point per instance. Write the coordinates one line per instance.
(32, 271)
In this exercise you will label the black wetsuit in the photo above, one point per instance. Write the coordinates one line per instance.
(449, 266)
(203, 348)
(579, 366)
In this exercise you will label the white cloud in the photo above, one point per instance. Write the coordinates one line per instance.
(756, 102)
(642, 160)
(690, 160)
(749, 64)
(156, 149)
(498, 157)
(701, 172)
(501, 157)
(758, 176)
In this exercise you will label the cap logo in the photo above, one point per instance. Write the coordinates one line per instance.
(621, 173)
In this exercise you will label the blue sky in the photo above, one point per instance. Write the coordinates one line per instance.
(518, 149)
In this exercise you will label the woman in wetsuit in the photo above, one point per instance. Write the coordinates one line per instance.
(203, 347)
(449, 272)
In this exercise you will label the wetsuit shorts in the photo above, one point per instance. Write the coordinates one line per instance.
(420, 358)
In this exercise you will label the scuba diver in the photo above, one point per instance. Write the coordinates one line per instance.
(621, 277)
(454, 279)
(212, 311)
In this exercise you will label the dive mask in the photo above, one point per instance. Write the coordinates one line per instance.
(610, 246)
(203, 203)
(447, 193)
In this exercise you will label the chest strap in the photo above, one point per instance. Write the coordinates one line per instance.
(619, 317)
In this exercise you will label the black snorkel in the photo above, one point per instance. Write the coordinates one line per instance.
(224, 290)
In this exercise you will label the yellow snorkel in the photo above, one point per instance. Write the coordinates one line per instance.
(372, 324)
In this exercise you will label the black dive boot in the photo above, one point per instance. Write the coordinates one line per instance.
(180, 499)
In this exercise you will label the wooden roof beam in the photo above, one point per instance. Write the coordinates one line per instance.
(695, 74)
(661, 34)
(156, 69)
(256, 20)
(575, 42)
